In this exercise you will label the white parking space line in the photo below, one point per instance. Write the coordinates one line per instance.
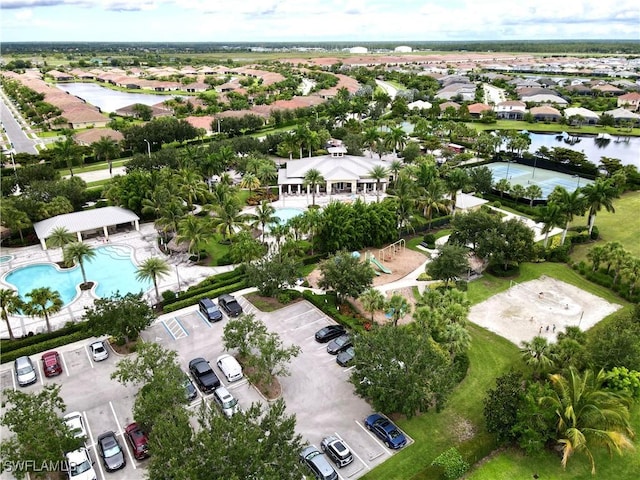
(307, 325)
(348, 369)
(86, 349)
(238, 384)
(66, 370)
(93, 445)
(13, 380)
(121, 433)
(353, 453)
(175, 328)
(40, 373)
(384, 449)
(204, 320)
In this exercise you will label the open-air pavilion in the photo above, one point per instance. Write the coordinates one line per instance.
(88, 222)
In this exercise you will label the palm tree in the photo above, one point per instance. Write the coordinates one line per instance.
(313, 178)
(394, 167)
(265, 216)
(551, 216)
(597, 195)
(10, 303)
(311, 220)
(60, 237)
(632, 272)
(151, 269)
(106, 149)
(371, 139)
(533, 192)
(378, 173)
(229, 218)
(191, 187)
(267, 172)
(396, 139)
(455, 181)
(571, 204)
(372, 301)
(78, 252)
(399, 307)
(588, 414)
(194, 230)
(44, 302)
(502, 186)
(537, 354)
(432, 199)
(68, 151)
(456, 338)
(249, 181)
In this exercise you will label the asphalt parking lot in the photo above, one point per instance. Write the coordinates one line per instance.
(317, 391)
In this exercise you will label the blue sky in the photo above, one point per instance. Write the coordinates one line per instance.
(313, 20)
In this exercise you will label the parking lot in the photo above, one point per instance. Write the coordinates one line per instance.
(317, 391)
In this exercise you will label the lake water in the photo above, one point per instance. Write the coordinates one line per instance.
(108, 100)
(627, 152)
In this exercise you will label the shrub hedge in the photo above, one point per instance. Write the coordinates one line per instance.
(43, 346)
(327, 303)
(7, 346)
(212, 293)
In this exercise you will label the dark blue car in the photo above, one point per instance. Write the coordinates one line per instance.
(386, 431)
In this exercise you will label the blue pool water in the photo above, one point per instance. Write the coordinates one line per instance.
(111, 268)
(286, 214)
(6, 258)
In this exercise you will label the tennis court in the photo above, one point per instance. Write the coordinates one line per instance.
(526, 175)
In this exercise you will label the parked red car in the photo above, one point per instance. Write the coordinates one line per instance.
(138, 440)
(51, 364)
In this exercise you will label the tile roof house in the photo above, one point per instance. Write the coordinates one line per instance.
(476, 110)
(544, 98)
(59, 76)
(205, 123)
(630, 101)
(623, 115)
(467, 91)
(93, 135)
(546, 113)
(609, 90)
(589, 117)
(156, 111)
(444, 105)
(510, 110)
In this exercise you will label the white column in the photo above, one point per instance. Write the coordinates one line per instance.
(289, 189)
(79, 236)
(43, 243)
(106, 232)
(136, 224)
(354, 186)
(384, 187)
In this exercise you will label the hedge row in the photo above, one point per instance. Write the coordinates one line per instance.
(203, 289)
(327, 303)
(43, 346)
(7, 346)
(182, 303)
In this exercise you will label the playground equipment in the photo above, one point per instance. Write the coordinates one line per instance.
(375, 262)
(393, 249)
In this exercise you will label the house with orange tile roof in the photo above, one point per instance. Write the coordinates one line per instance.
(630, 101)
(84, 116)
(205, 123)
(94, 135)
(476, 110)
(545, 113)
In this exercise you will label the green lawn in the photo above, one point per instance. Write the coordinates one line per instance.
(552, 127)
(490, 356)
(622, 226)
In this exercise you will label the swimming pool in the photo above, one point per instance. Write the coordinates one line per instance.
(112, 270)
(286, 214)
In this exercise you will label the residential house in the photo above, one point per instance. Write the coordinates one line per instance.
(419, 105)
(545, 113)
(131, 111)
(84, 116)
(196, 87)
(589, 117)
(59, 76)
(93, 135)
(476, 110)
(205, 123)
(630, 101)
(621, 115)
(464, 91)
(510, 110)
(607, 90)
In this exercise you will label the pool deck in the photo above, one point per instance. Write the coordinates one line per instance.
(143, 244)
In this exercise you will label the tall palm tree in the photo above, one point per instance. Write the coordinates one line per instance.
(551, 216)
(10, 303)
(371, 139)
(455, 181)
(396, 139)
(43, 302)
(311, 220)
(456, 338)
(151, 269)
(59, 237)
(78, 252)
(106, 149)
(229, 218)
(394, 168)
(249, 181)
(432, 199)
(572, 204)
(312, 179)
(537, 354)
(399, 307)
(372, 300)
(532, 192)
(68, 151)
(265, 216)
(598, 195)
(267, 172)
(194, 230)
(378, 173)
(588, 414)
(191, 187)
(502, 186)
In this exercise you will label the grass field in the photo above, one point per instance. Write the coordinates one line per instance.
(490, 356)
(552, 127)
(622, 226)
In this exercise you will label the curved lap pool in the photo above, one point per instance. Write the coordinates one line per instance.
(112, 270)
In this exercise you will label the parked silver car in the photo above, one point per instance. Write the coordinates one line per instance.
(25, 373)
(318, 463)
(227, 402)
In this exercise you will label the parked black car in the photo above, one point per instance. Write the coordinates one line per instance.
(345, 357)
(230, 305)
(111, 452)
(339, 344)
(203, 375)
(210, 310)
(329, 333)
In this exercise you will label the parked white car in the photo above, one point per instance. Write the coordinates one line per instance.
(80, 465)
(76, 424)
(99, 351)
(227, 402)
(229, 367)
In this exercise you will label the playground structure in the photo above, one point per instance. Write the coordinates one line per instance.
(390, 251)
(373, 260)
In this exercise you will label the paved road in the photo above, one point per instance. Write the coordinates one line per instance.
(387, 87)
(20, 142)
